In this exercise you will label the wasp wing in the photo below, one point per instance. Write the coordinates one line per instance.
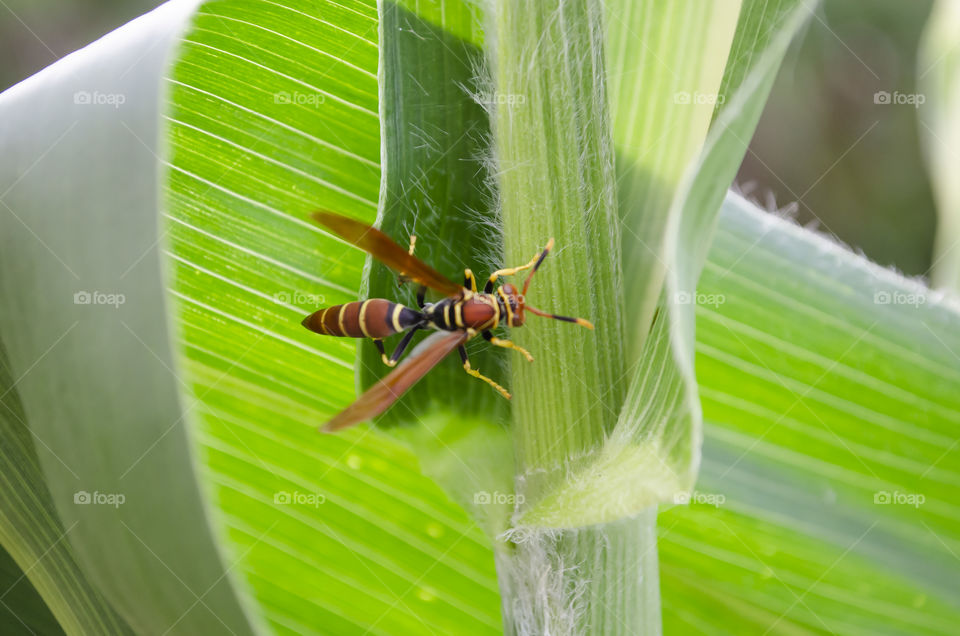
(386, 250)
(388, 390)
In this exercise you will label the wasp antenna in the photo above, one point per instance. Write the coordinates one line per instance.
(536, 265)
(579, 321)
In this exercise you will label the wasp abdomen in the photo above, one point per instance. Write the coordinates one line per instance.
(374, 318)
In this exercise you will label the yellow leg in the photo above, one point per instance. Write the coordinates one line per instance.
(510, 271)
(506, 344)
(471, 371)
(401, 277)
(383, 354)
(469, 280)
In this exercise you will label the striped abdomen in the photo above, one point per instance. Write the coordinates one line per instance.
(374, 318)
(480, 312)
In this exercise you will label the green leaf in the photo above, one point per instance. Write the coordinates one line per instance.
(35, 551)
(83, 323)
(556, 179)
(273, 112)
(758, 25)
(435, 132)
(22, 610)
(556, 176)
(665, 64)
(436, 186)
(829, 388)
(653, 452)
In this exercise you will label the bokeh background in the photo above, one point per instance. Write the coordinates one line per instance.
(824, 149)
(852, 167)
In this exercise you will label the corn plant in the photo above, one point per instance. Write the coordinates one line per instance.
(760, 436)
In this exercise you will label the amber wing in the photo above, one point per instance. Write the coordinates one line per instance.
(386, 250)
(388, 390)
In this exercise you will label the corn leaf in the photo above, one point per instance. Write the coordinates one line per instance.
(825, 502)
(653, 452)
(274, 113)
(84, 328)
(828, 386)
(31, 614)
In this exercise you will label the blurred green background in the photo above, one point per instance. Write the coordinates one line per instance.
(847, 165)
(852, 167)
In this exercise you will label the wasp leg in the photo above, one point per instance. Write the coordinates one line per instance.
(421, 296)
(383, 352)
(469, 280)
(475, 373)
(401, 347)
(401, 277)
(510, 271)
(506, 344)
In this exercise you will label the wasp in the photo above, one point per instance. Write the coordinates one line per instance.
(463, 313)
